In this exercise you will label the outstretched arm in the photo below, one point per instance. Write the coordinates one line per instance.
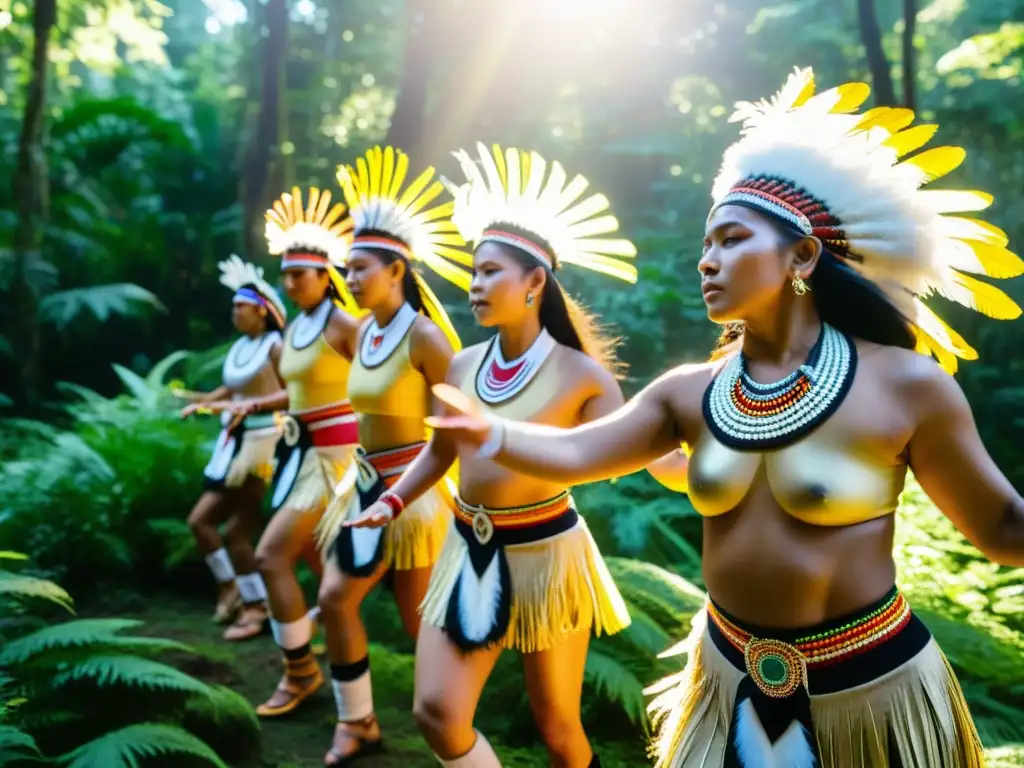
(622, 442)
(954, 469)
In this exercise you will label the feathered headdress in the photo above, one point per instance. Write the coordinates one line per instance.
(513, 188)
(249, 286)
(389, 218)
(316, 235)
(830, 172)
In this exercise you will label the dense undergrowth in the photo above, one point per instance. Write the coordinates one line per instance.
(103, 498)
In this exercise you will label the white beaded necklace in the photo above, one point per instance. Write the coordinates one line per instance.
(378, 343)
(498, 380)
(246, 357)
(743, 414)
(309, 325)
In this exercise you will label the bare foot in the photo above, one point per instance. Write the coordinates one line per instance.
(354, 740)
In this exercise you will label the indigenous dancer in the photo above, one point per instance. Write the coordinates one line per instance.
(319, 433)
(241, 465)
(520, 569)
(403, 348)
(822, 245)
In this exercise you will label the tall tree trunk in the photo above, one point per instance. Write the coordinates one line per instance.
(263, 171)
(871, 35)
(909, 65)
(408, 120)
(31, 191)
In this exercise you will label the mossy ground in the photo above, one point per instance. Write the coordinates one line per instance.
(252, 669)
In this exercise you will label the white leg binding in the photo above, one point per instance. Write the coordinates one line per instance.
(480, 756)
(354, 698)
(252, 589)
(220, 565)
(292, 635)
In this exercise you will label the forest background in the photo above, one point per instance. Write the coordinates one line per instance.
(141, 141)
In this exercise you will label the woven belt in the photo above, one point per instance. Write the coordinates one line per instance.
(390, 464)
(333, 424)
(518, 525)
(778, 667)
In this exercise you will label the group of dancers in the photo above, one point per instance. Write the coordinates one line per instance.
(390, 451)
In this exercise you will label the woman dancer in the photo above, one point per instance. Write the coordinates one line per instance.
(319, 433)
(403, 348)
(241, 465)
(820, 243)
(520, 570)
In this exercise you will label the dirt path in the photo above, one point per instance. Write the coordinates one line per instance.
(300, 740)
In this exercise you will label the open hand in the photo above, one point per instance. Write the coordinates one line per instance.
(189, 410)
(465, 422)
(377, 515)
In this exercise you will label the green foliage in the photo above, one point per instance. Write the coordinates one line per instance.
(127, 747)
(93, 697)
(128, 469)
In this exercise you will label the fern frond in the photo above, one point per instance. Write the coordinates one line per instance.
(121, 669)
(8, 555)
(16, 745)
(226, 709)
(14, 585)
(128, 747)
(611, 679)
(78, 634)
(157, 374)
(102, 301)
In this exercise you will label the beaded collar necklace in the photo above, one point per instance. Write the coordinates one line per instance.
(746, 415)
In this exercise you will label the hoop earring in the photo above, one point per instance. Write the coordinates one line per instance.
(799, 286)
(529, 299)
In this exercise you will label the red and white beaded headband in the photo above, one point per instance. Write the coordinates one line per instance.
(304, 259)
(784, 200)
(517, 241)
(378, 242)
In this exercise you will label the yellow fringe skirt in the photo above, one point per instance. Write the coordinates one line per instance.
(412, 540)
(521, 578)
(246, 450)
(867, 691)
(313, 454)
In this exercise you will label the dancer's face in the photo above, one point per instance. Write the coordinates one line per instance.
(747, 264)
(306, 286)
(248, 318)
(501, 284)
(370, 280)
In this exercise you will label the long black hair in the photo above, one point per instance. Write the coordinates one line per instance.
(844, 299)
(568, 322)
(410, 288)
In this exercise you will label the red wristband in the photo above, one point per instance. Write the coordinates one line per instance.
(394, 501)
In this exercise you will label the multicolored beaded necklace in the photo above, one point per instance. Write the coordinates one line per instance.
(746, 415)
(498, 380)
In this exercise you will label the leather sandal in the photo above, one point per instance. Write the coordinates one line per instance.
(228, 606)
(252, 621)
(302, 678)
(364, 747)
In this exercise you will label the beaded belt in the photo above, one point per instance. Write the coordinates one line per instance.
(517, 525)
(388, 465)
(329, 425)
(778, 667)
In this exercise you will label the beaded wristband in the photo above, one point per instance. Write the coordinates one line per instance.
(394, 501)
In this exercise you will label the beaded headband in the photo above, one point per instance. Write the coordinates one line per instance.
(249, 286)
(812, 161)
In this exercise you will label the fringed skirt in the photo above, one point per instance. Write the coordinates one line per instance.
(246, 450)
(412, 540)
(870, 690)
(314, 452)
(523, 578)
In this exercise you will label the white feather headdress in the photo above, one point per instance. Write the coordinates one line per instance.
(238, 275)
(513, 187)
(391, 218)
(838, 175)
